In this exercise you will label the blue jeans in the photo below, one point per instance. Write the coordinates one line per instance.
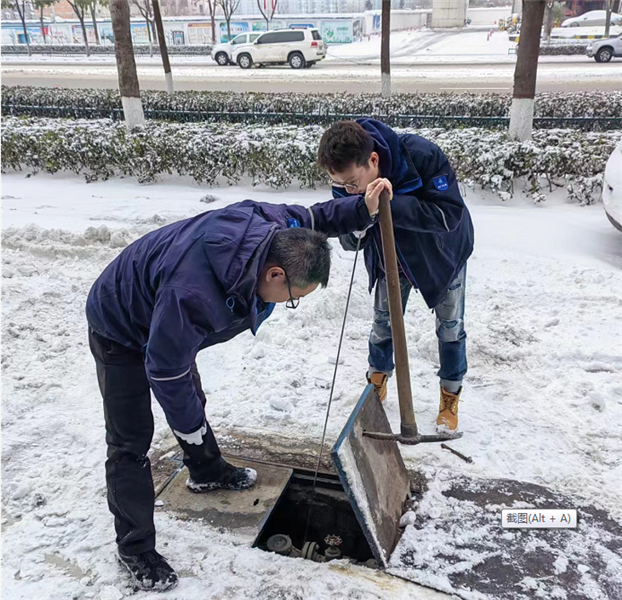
(449, 330)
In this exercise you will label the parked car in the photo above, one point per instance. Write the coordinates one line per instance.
(223, 53)
(301, 48)
(612, 188)
(594, 18)
(605, 50)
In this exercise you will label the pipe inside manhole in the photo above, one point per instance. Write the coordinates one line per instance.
(333, 531)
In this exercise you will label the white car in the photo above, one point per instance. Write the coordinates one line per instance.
(594, 18)
(605, 50)
(223, 53)
(301, 48)
(612, 188)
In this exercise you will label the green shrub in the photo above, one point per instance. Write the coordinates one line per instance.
(282, 155)
(305, 108)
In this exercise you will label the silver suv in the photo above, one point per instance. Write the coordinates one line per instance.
(222, 53)
(605, 50)
(301, 48)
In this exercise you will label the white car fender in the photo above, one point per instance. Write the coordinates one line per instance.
(612, 186)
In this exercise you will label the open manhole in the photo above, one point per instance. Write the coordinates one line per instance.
(352, 515)
(316, 524)
(355, 515)
(282, 513)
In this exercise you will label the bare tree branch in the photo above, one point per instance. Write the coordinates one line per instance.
(79, 7)
(228, 8)
(42, 5)
(267, 8)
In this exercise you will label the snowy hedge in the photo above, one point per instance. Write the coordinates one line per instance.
(300, 108)
(563, 49)
(281, 155)
(69, 49)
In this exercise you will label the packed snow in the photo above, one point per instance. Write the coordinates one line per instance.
(456, 46)
(453, 542)
(542, 400)
(491, 75)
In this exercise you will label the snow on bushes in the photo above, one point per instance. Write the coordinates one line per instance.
(70, 49)
(564, 49)
(281, 155)
(298, 106)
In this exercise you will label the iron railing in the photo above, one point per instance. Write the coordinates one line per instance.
(190, 116)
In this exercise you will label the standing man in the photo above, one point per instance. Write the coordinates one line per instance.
(433, 236)
(175, 291)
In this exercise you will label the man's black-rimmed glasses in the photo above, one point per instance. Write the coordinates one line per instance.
(292, 302)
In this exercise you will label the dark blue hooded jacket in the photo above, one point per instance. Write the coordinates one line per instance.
(192, 284)
(433, 228)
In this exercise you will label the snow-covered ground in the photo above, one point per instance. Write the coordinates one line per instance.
(542, 402)
(430, 46)
(422, 60)
(576, 68)
(416, 47)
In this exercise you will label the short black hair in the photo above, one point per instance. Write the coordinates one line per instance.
(342, 144)
(303, 254)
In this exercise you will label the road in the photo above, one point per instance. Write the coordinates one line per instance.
(579, 75)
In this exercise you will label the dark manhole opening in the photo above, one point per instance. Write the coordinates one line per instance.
(333, 532)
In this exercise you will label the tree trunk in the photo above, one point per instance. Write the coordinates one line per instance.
(21, 11)
(548, 21)
(608, 8)
(94, 19)
(84, 35)
(264, 14)
(149, 36)
(229, 29)
(168, 76)
(521, 113)
(212, 9)
(126, 64)
(45, 40)
(385, 49)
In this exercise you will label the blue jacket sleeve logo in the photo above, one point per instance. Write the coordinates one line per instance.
(293, 223)
(440, 183)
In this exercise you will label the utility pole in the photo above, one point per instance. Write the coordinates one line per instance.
(385, 49)
(168, 76)
(126, 65)
(521, 113)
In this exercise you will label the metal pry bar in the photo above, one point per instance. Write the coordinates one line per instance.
(459, 454)
(413, 441)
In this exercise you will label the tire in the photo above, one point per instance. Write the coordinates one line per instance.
(222, 60)
(245, 61)
(297, 60)
(574, 24)
(604, 55)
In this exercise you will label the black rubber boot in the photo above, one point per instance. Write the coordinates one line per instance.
(232, 478)
(150, 571)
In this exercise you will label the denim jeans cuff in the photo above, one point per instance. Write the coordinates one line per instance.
(453, 387)
(374, 370)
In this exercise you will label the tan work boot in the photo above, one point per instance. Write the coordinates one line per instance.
(380, 380)
(447, 419)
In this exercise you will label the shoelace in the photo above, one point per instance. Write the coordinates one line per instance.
(450, 404)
